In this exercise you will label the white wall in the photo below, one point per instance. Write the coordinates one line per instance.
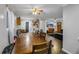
(3, 27)
(11, 24)
(71, 28)
(23, 24)
(3, 30)
(42, 25)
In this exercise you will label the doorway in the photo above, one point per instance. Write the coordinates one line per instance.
(27, 26)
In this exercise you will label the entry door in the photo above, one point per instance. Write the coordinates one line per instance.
(27, 26)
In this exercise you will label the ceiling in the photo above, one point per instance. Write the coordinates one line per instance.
(25, 10)
(2, 8)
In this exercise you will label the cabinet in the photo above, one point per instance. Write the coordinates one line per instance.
(18, 21)
(59, 27)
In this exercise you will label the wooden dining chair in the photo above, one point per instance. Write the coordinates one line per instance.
(42, 48)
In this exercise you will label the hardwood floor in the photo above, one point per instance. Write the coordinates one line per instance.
(25, 42)
(57, 45)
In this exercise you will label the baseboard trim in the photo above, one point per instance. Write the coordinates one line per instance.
(66, 51)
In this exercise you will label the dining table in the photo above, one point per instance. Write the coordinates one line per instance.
(25, 41)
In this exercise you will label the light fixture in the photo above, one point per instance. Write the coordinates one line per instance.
(36, 11)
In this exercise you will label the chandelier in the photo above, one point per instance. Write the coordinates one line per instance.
(36, 11)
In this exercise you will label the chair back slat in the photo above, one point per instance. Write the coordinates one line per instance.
(42, 48)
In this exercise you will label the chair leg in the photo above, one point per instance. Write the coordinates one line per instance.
(50, 46)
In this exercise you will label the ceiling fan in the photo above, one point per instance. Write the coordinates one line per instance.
(37, 11)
